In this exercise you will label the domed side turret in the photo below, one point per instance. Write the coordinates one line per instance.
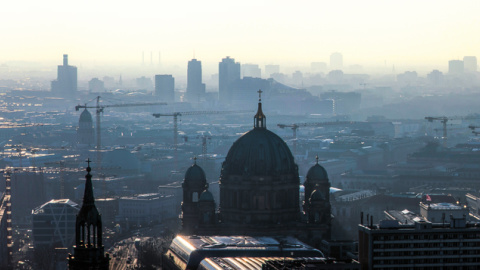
(195, 176)
(206, 196)
(317, 173)
(85, 116)
(317, 196)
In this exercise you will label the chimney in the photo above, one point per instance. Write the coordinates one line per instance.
(65, 59)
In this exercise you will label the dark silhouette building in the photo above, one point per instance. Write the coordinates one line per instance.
(259, 192)
(88, 252)
(228, 73)
(85, 131)
(165, 87)
(66, 83)
(195, 87)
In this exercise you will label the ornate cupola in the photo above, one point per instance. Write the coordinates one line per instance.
(260, 120)
(194, 184)
(88, 249)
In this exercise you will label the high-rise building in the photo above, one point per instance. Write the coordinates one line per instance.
(470, 63)
(251, 70)
(96, 85)
(88, 251)
(53, 224)
(455, 67)
(271, 69)
(336, 61)
(165, 87)
(195, 87)
(228, 73)
(66, 83)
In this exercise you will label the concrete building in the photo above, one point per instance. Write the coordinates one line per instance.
(96, 85)
(145, 208)
(195, 87)
(470, 63)
(271, 69)
(5, 235)
(165, 87)
(336, 61)
(228, 73)
(251, 70)
(455, 67)
(419, 245)
(53, 224)
(66, 83)
(26, 183)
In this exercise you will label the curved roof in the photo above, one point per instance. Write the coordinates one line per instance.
(259, 152)
(317, 173)
(85, 116)
(195, 176)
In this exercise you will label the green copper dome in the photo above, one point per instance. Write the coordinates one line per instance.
(85, 116)
(317, 173)
(259, 152)
(206, 196)
(195, 176)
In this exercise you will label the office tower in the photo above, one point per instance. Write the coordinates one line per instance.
(88, 252)
(455, 67)
(435, 77)
(165, 87)
(251, 70)
(195, 87)
(271, 69)
(53, 224)
(228, 73)
(419, 244)
(470, 63)
(336, 61)
(96, 85)
(66, 83)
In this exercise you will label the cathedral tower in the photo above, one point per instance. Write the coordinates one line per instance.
(88, 252)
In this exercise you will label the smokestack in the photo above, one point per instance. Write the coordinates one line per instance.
(65, 59)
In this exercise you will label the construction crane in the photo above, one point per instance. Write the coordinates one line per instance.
(444, 120)
(294, 128)
(99, 109)
(175, 123)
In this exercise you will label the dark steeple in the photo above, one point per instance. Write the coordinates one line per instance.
(88, 249)
(260, 120)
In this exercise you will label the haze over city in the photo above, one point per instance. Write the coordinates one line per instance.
(239, 135)
(421, 34)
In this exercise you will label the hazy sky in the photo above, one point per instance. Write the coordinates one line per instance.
(252, 31)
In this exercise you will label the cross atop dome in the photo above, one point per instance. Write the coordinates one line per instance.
(259, 120)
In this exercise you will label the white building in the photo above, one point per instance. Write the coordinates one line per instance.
(53, 223)
(145, 208)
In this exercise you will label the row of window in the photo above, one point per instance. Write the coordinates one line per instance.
(426, 236)
(425, 245)
(427, 253)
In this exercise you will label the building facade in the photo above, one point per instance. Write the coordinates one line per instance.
(66, 83)
(53, 224)
(228, 73)
(165, 87)
(421, 245)
(195, 87)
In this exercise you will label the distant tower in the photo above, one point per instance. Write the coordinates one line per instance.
(317, 196)
(336, 61)
(455, 67)
(165, 87)
(85, 131)
(228, 73)
(88, 252)
(66, 83)
(470, 63)
(195, 87)
(194, 184)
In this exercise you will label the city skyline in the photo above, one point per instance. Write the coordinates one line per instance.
(370, 33)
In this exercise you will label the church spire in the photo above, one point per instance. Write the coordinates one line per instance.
(260, 120)
(88, 249)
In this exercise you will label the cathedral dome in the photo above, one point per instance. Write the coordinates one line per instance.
(259, 152)
(318, 173)
(195, 176)
(85, 116)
